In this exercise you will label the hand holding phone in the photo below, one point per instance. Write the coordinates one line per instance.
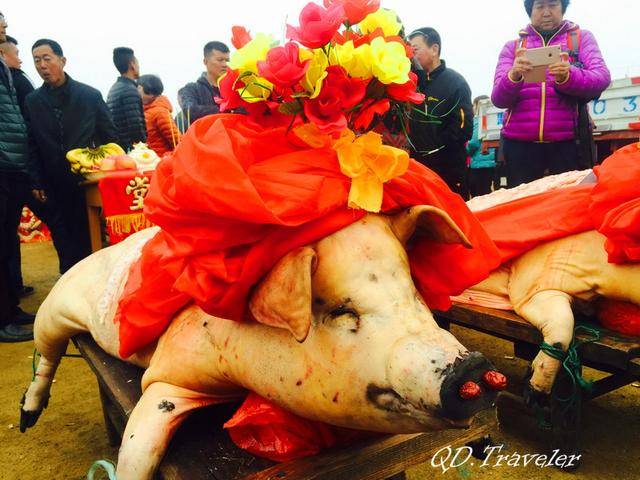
(521, 65)
(560, 70)
(540, 59)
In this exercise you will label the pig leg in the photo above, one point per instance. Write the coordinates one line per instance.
(550, 312)
(156, 417)
(51, 339)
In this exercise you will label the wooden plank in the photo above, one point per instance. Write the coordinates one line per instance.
(495, 322)
(377, 459)
(612, 349)
(121, 380)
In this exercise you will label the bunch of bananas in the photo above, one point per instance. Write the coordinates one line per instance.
(86, 160)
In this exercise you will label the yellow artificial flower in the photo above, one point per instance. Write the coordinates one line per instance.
(390, 63)
(369, 164)
(317, 71)
(257, 89)
(385, 19)
(246, 58)
(356, 61)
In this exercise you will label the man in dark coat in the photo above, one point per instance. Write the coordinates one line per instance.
(124, 100)
(23, 87)
(197, 98)
(13, 181)
(63, 114)
(440, 131)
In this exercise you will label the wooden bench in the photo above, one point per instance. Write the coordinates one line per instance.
(613, 353)
(202, 450)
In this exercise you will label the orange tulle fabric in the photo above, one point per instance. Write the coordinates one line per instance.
(234, 198)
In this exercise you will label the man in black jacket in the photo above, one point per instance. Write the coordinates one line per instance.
(61, 115)
(23, 87)
(124, 100)
(197, 98)
(13, 181)
(444, 124)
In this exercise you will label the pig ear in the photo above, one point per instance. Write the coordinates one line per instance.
(428, 222)
(283, 298)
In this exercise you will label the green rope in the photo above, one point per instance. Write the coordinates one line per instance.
(108, 466)
(571, 366)
(33, 364)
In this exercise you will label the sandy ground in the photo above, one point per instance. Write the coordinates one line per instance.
(70, 435)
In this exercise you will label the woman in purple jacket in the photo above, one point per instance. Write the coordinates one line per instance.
(539, 132)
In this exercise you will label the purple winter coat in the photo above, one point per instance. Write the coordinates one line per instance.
(536, 111)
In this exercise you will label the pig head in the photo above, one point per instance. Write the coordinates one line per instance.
(367, 351)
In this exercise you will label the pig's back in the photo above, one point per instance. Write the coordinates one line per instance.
(573, 264)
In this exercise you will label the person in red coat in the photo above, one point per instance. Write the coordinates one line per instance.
(162, 132)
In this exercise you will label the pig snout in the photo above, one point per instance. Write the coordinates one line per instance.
(470, 385)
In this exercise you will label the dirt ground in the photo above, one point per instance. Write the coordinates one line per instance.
(70, 435)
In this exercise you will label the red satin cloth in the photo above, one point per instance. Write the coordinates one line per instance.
(612, 206)
(233, 199)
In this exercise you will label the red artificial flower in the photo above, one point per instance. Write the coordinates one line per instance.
(283, 67)
(339, 94)
(239, 36)
(406, 92)
(268, 115)
(229, 98)
(317, 25)
(368, 112)
(355, 10)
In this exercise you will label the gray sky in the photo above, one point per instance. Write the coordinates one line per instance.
(168, 36)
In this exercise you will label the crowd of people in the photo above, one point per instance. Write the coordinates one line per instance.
(546, 128)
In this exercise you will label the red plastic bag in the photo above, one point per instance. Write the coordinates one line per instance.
(621, 317)
(266, 430)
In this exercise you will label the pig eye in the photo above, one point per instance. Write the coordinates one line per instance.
(342, 310)
(345, 317)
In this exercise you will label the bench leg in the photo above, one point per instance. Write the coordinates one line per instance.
(112, 432)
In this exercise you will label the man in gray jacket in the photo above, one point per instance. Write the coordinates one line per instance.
(14, 181)
(124, 101)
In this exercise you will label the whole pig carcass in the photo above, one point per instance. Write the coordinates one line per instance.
(547, 283)
(342, 336)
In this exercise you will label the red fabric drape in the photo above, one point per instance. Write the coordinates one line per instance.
(233, 199)
(611, 206)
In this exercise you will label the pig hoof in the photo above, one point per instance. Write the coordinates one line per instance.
(28, 418)
(534, 399)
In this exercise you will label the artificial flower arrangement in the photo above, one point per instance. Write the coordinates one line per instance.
(342, 69)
